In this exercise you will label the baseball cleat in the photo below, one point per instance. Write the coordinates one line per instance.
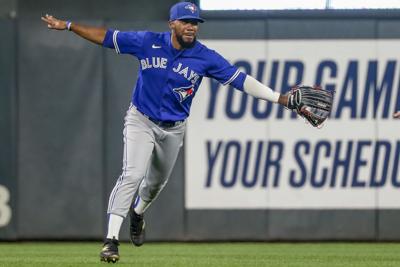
(137, 228)
(109, 252)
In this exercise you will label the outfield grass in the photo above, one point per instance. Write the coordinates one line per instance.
(205, 254)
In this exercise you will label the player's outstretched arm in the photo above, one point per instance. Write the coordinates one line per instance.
(311, 102)
(254, 88)
(283, 99)
(396, 115)
(93, 34)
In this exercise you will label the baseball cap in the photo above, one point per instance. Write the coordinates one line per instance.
(185, 10)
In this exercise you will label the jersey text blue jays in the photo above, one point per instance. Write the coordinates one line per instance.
(168, 78)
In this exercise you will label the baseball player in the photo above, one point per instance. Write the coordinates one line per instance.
(172, 66)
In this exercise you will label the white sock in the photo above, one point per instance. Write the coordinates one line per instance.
(141, 205)
(114, 225)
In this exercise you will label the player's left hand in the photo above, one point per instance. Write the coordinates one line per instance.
(396, 115)
(311, 102)
(53, 23)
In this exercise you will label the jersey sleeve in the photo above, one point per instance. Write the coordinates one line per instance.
(124, 42)
(224, 72)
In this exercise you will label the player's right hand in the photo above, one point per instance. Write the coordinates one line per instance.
(53, 23)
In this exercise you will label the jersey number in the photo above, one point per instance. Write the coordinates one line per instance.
(5, 209)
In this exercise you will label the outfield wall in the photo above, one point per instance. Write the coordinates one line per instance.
(62, 107)
(8, 185)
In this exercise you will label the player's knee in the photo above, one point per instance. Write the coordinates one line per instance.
(132, 174)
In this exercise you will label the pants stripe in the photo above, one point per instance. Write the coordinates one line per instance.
(121, 178)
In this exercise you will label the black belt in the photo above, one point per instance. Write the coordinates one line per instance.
(165, 124)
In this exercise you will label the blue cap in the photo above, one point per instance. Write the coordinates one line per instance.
(185, 10)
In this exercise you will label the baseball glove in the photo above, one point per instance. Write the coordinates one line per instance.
(311, 102)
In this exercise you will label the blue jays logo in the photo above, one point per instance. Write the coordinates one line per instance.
(184, 92)
(192, 8)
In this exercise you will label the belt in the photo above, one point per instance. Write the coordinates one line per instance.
(165, 124)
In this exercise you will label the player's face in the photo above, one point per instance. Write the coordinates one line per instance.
(185, 32)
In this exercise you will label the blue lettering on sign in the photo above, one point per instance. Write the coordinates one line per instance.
(317, 181)
(395, 172)
(350, 83)
(343, 163)
(299, 182)
(211, 156)
(229, 156)
(359, 162)
(233, 149)
(375, 97)
(270, 162)
(377, 91)
(247, 179)
(326, 65)
(379, 180)
(320, 164)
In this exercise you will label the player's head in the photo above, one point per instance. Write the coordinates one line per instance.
(183, 22)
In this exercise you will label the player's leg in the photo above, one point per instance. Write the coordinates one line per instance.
(164, 156)
(138, 147)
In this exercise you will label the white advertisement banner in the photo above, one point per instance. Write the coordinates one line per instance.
(244, 153)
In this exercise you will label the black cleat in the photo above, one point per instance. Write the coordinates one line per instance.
(136, 228)
(109, 253)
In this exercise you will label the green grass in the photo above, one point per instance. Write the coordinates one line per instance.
(205, 254)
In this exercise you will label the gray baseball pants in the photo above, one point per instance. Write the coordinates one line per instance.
(150, 153)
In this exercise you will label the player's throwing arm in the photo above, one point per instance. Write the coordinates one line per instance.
(93, 34)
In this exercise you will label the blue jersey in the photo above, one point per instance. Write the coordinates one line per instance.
(169, 78)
